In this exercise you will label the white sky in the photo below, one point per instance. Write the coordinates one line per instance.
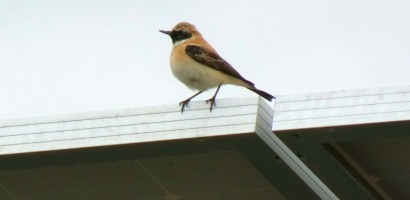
(74, 56)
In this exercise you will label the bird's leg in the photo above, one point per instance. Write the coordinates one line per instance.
(185, 102)
(212, 100)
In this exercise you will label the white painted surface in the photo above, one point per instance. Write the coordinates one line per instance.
(232, 116)
(134, 125)
(343, 107)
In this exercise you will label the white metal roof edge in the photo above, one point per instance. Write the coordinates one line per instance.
(352, 92)
(342, 107)
(329, 109)
(232, 116)
(166, 108)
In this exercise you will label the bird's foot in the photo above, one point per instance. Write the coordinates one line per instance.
(212, 100)
(184, 104)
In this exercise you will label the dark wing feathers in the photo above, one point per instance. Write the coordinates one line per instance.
(214, 61)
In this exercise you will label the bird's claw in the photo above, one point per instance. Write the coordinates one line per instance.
(213, 104)
(184, 104)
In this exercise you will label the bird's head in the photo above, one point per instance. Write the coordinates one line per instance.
(182, 31)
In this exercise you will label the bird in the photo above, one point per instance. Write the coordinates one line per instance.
(195, 63)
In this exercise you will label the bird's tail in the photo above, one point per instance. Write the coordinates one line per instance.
(263, 94)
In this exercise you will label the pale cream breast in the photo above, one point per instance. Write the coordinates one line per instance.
(195, 75)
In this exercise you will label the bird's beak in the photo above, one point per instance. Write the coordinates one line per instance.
(165, 32)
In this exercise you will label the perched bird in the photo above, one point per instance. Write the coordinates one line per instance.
(197, 65)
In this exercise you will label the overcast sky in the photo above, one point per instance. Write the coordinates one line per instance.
(75, 56)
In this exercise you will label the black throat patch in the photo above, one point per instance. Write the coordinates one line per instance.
(178, 36)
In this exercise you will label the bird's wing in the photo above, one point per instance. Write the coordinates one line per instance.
(213, 61)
